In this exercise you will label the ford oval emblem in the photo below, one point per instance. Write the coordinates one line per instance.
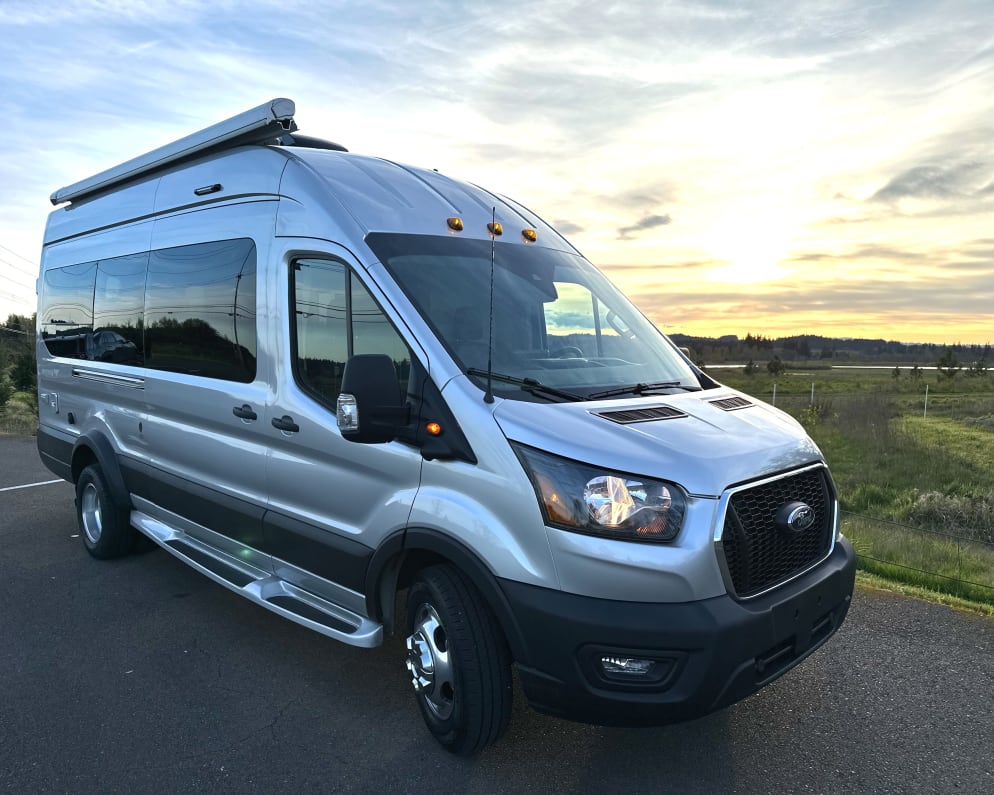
(795, 517)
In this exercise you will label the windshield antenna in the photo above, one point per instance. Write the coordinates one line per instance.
(489, 396)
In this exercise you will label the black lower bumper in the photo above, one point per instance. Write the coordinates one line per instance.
(707, 654)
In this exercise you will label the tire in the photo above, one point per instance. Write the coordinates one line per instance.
(103, 524)
(459, 661)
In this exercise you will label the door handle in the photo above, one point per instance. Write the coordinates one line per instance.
(286, 424)
(244, 412)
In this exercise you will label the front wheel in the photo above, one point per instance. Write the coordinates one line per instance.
(458, 660)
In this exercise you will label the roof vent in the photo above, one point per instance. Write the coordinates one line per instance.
(629, 416)
(731, 403)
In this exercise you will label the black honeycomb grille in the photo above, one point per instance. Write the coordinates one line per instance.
(758, 553)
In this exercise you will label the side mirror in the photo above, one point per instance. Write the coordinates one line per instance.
(371, 407)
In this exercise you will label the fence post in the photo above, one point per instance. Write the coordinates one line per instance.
(812, 393)
(774, 393)
(925, 413)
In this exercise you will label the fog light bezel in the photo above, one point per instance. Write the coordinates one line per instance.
(669, 664)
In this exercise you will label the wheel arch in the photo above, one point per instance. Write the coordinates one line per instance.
(398, 560)
(95, 447)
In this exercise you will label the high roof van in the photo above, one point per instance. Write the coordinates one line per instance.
(326, 381)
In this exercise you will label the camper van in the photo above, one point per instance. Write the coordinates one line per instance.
(374, 399)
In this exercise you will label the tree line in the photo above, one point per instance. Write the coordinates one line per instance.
(815, 349)
(18, 371)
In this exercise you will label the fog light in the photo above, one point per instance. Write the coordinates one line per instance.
(629, 668)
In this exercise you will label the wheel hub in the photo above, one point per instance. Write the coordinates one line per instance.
(428, 662)
(90, 513)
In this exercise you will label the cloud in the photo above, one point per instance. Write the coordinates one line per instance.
(648, 222)
(950, 181)
(567, 227)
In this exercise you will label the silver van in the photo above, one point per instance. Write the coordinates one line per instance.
(324, 380)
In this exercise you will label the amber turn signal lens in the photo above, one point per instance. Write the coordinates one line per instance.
(455, 224)
(434, 429)
(530, 235)
(495, 228)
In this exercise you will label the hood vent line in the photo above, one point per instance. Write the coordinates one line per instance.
(649, 414)
(731, 403)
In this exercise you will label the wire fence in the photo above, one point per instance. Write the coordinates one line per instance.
(967, 406)
(952, 563)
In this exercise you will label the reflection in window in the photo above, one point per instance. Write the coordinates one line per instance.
(67, 309)
(200, 310)
(320, 311)
(334, 318)
(118, 302)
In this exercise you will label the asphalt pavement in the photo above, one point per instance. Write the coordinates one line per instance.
(141, 675)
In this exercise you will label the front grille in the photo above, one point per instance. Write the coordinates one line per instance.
(758, 553)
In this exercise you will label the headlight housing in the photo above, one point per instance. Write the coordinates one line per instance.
(586, 499)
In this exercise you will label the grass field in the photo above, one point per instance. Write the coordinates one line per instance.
(916, 486)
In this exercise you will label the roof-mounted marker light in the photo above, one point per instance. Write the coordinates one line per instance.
(495, 228)
(529, 235)
(455, 224)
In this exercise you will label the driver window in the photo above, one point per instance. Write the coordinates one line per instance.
(335, 317)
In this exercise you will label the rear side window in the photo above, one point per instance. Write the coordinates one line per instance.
(118, 305)
(67, 311)
(334, 317)
(200, 310)
(189, 309)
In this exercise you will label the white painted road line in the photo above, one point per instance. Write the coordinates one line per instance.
(31, 485)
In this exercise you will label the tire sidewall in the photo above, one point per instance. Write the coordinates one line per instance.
(444, 729)
(116, 535)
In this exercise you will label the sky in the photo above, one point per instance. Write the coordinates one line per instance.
(773, 168)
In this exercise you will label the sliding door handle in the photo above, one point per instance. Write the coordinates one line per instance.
(285, 424)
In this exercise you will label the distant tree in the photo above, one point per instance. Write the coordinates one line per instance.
(776, 366)
(982, 363)
(17, 338)
(916, 372)
(896, 373)
(948, 364)
(751, 368)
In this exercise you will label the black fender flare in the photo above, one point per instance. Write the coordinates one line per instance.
(385, 565)
(99, 446)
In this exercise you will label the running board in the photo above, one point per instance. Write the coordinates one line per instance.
(262, 587)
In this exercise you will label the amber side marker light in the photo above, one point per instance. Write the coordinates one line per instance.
(495, 228)
(455, 224)
(530, 235)
(434, 429)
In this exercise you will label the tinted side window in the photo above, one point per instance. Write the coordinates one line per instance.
(334, 317)
(319, 292)
(200, 310)
(67, 309)
(118, 302)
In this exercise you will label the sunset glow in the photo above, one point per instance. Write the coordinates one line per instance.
(816, 167)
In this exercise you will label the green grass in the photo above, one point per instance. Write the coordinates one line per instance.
(932, 474)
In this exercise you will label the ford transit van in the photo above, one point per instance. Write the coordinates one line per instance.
(326, 381)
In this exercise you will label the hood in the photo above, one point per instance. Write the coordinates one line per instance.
(703, 441)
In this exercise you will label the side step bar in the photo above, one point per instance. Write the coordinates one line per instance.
(262, 587)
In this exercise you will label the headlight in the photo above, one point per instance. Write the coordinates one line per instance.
(586, 499)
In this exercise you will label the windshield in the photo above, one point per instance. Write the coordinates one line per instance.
(557, 320)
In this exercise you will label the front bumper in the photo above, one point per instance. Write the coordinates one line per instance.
(709, 654)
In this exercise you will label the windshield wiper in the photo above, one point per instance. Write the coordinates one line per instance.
(642, 389)
(527, 384)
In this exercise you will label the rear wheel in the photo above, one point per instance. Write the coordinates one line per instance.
(103, 524)
(458, 660)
